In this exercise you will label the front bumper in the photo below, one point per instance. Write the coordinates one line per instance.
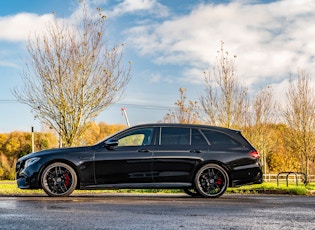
(27, 178)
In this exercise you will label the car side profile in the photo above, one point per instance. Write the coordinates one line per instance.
(202, 160)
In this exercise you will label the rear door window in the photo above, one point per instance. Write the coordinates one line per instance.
(175, 136)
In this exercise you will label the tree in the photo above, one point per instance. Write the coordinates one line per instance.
(300, 117)
(259, 128)
(97, 132)
(225, 101)
(72, 75)
(17, 144)
(280, 158)
(183, 113)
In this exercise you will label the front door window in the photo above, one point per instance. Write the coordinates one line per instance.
(139, 137)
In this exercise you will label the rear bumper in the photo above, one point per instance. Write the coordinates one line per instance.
(247, 176)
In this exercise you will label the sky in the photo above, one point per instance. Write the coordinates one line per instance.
(170, 44)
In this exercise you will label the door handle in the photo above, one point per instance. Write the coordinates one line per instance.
(86, 158)
(195, 151)
(144, 150)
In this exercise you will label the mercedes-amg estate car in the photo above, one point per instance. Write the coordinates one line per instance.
(202, 160)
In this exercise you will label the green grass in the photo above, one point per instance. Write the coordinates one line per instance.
(272, 188)
(9, 188)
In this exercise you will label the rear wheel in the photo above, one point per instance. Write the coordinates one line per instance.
(211, 180)
(59, 179)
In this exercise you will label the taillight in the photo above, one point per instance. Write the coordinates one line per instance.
(254, 153)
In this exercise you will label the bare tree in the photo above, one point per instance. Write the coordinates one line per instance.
(72, 75)
(300, 117)
(265, 107)
(183, 113)
(225, 101)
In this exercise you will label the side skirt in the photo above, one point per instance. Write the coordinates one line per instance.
(139, 186)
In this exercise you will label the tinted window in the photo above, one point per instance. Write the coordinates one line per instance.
(197, 138)
(217, 138)
(135, 138)
(175, 136)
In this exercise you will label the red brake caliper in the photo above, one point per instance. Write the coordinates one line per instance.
(219, 181)
(67, 179)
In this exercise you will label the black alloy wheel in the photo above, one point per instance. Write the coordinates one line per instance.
(211, 181)
(59, 179)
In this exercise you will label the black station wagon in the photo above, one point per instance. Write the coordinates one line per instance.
(202, 160)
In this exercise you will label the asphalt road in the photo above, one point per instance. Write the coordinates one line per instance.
(129, 211)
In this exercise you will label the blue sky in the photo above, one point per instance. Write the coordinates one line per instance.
(170, 43)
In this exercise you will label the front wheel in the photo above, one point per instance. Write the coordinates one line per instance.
(211, 180)
(59, 179)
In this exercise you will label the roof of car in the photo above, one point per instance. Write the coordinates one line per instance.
(184, 125)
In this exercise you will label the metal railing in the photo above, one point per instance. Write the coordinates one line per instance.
(288, 178)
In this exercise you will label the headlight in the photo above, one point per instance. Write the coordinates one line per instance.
(31, 161)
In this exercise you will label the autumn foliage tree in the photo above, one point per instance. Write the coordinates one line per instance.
(280, 158)
(72, 74)
(17, 144)
(98, 131)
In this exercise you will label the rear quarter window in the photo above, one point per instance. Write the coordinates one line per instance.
(220, 139)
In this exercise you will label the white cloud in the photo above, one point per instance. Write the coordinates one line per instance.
(158, 78)
(18, 27)
(269, 39)
(193, 75)
(133, 6)
(8, 64)
(155, 78)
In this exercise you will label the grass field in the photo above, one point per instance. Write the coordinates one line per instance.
(9, 188)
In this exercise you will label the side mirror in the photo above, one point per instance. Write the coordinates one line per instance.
(110, 144)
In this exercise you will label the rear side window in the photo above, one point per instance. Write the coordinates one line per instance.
(175, 136)
(218, 138)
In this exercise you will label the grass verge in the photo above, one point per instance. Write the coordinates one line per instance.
(272, 188)
(9, 188)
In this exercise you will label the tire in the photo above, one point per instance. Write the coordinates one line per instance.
(211, 181)
(59, 179)
(192, 192)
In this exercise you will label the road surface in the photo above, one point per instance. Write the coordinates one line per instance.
(154, 211)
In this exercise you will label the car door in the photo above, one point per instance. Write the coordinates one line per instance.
(175, 157)
(128, 162)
